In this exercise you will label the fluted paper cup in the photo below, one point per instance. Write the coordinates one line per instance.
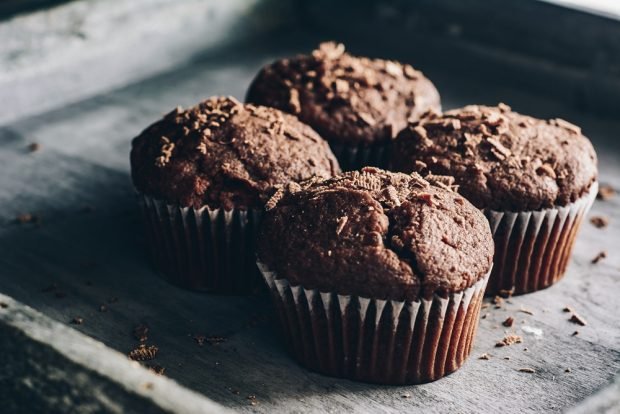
(354, 157)
(533, 248)
(204, 249)
(378, 341)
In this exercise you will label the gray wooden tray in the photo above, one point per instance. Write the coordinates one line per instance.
(86, 250)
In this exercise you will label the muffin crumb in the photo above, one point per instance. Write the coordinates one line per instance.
(605, 192)
(509, 340)
(599, 221)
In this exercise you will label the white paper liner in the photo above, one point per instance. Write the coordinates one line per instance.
(379, 341)
(355, 157)
(204, 249)
(533, 248)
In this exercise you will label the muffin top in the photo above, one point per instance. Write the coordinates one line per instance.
(500, 159)
(376, 234)
(347, 99)
(222, 153)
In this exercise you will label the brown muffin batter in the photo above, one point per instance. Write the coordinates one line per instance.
(347, 99)
(376, 234)
(500, 159)
(226, 154)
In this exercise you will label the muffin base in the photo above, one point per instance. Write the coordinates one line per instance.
(355, 157)
(205, 249)
(533, 248)
(378, 341)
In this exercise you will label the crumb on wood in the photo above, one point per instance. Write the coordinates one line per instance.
(141, 332)
(484, 306)
(252, 399)
(527, 311)
(34, 147)
(506, 293)
(200, 339)
(143, 352)
(149, 385)
(27, 218)
(77, 321)
(508, 322)
(599, 221)
(406, 395)
(600, 256)
(527, 370)
(509, 340)
(507, 358)
(575, 318)
(497, 301)
(575, 333)
(567, 309)
(484, 356)
(156, 368)
(605, 192)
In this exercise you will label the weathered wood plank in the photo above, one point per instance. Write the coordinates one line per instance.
(100, 255)
(48, 367)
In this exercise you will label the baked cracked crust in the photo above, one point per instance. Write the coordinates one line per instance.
(376, 234)
(346, 99)
(500, 159)
(222, 153)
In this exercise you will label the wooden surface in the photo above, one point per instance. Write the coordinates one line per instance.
(88, 250)
(49, 367)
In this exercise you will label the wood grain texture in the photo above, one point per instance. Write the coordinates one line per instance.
(99, 257)
(48, 367)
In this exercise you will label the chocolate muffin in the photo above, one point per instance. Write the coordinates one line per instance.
(204, 174)
(377, 276)
(357, 104)
(535, 180)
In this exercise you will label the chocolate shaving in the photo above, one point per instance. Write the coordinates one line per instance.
(566, 125)
(294, 102)
(342, 221)
(497, 149)
(34, 147)
(547, 170)
(600, 256)
(599, 221)
(508, 322)
(484, 356)
(528, 370)
(367, 118)
(410, 72)
(393, 68)
(143, 352)
(575, 318)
